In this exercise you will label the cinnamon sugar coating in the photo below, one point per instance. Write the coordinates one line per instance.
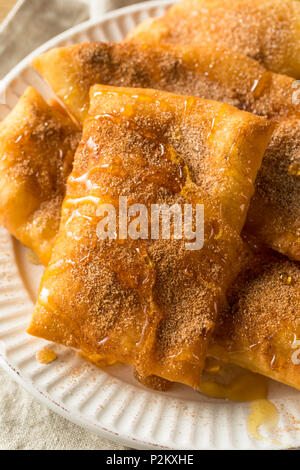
(37, 147)
(206, 71)
(278, 193)
(211, 73)
(150, 303)
(261, 326)
(267, 31)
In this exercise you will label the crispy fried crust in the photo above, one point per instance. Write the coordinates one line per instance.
(210, 73)
(274, 214)
(205, 71)
(150, 303)
(260, 328)
(37, 146)
(268, 31)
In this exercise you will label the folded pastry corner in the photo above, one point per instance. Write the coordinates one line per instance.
(260, 329)
(37, 145)
(144, 299)
(268, 31)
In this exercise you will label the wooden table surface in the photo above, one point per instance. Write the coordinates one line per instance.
(5, 7)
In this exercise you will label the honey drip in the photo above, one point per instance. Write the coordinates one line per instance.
(45, 356)
(263, 414)
(245, 387)
(261, 84)
(98, 360)
(286, 279)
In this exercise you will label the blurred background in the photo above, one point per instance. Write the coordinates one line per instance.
(5, 7)
(27, 24)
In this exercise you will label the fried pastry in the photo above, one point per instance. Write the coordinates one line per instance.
(260, 330)
(149, 301)
(274, 214)
(268, 31)
(210, 73)
(37, 147)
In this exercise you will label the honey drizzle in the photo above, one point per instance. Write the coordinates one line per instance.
(217, 122)
(261, 84)
(143, 280)
(182, 184)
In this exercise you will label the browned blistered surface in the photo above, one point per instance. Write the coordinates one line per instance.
(150, 303)
(37, 146)
(205, 71)
(211, 73)
(259, 329)
(268, 31)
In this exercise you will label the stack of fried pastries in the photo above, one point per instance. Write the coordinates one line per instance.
(163, 122)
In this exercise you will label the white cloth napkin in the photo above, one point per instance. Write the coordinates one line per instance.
(24, 422)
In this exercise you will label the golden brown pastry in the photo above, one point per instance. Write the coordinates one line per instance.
(268, 30)
(274, 214)
(210, 73)
(260, 330)
(150, 302)
(37, 146)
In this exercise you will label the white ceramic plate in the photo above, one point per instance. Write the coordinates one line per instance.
(111, 403)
